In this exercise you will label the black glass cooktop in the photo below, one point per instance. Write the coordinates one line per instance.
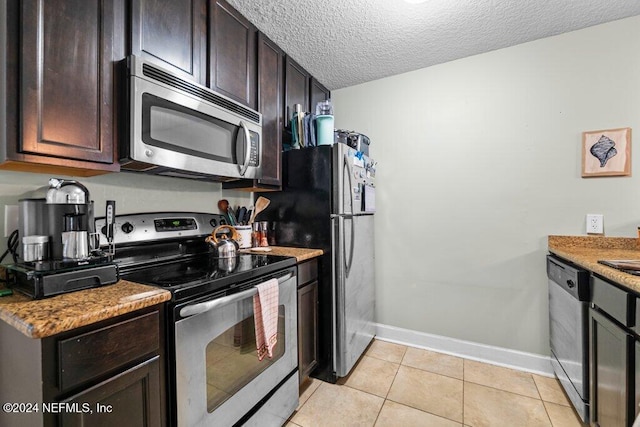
(205, 273)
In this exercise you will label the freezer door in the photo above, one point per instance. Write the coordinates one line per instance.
(353, 180)
(354, 289)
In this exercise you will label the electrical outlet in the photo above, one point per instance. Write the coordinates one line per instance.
(595, 224)
(10, 219)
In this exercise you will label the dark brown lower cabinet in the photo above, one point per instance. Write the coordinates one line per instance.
(128, 399)
(111, 373)
(609, 376)
(307, 318)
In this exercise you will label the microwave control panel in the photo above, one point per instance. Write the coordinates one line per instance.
(254, 154)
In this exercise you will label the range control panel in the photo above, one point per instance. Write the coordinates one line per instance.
(135, 228)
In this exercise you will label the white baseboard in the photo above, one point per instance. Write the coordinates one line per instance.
(514, 359)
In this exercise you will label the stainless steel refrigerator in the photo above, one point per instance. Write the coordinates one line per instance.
(328, 202)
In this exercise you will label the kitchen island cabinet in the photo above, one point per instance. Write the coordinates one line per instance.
(60, 85)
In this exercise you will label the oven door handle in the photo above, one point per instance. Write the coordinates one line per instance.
(203, 307)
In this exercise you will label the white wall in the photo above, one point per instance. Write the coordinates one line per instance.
(132, 193)
(479, 160)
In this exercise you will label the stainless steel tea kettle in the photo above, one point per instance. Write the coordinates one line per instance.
(224, 247)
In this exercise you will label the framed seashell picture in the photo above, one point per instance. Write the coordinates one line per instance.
(606, 153)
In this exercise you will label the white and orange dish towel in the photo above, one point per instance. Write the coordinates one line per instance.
(265, 311)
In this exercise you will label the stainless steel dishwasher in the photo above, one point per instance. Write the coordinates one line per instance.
(568, 330)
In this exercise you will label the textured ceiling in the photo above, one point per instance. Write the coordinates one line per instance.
(347, 42)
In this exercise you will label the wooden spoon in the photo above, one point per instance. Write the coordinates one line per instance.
(261, 204)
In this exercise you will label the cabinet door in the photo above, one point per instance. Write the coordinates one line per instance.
(232, 52)
(131, 399)
(270, 81)
(67, 80)
(317, 93)
(636, 408)
(307, 329)
(609, 398)
(296, 88)
(171, 34)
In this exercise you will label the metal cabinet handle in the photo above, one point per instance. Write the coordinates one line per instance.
(203, 307)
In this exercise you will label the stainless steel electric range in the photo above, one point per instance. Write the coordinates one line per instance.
(215, 376)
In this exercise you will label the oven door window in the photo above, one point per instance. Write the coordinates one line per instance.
(177, 128)
(232, 358)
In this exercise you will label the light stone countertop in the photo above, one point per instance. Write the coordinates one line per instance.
(50, 316)
(300, 254)
(585, 251)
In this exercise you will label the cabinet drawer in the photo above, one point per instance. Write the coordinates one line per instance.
(610, 299)
(87, 356)
(307, 271)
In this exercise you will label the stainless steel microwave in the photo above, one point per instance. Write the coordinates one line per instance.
(183, 129)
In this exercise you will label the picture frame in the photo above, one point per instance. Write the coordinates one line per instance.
(606, 153)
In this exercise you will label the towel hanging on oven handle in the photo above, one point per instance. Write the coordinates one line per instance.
(193, 309)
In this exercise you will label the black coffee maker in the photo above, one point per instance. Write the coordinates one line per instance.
(59, 249)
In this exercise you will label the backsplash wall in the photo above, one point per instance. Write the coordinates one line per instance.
(132, 193)
(480, 160)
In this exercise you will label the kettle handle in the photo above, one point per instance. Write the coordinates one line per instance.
(234, 233)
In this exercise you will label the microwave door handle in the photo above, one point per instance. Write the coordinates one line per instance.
(203, 307)
(247, 153)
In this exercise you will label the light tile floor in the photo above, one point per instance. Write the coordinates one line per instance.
(395, 385)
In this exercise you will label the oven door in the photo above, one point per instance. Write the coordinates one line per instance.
(219, 378)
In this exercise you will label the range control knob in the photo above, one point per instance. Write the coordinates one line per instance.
(127, 227)
(213, 223)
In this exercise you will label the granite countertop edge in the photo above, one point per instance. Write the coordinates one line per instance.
(585, 251)
(50, 316)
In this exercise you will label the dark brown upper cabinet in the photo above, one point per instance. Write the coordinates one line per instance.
(61, 99)
(317, 93)
(171, 34)
(270, 96)
(232, 54)
(296, 88)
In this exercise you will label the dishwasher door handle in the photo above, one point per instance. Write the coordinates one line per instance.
(203, 307)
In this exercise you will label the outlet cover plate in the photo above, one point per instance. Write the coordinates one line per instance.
(10, 219)
(595, 224)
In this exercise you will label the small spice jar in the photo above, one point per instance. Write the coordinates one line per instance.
(264, 233)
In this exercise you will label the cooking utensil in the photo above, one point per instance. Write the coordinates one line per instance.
(224, 247)
(231, 215)
(241, 214)
(223, 205)
(247, 216)
(261, 204)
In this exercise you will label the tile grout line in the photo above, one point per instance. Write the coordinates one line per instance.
(463, 381)
(546, 411)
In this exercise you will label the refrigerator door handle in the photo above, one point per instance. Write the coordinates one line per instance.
(347, 166)
(348, 260)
